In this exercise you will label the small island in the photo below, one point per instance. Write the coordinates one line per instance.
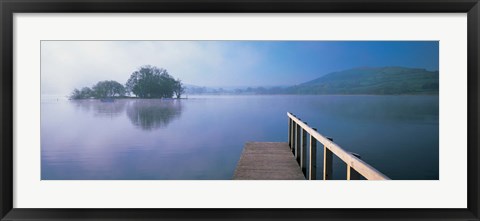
(147, 82)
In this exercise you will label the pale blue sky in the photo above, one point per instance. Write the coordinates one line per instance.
(73, 64)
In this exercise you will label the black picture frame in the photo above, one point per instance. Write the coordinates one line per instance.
(9, 7)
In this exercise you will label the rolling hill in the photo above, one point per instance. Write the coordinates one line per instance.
(372, 80)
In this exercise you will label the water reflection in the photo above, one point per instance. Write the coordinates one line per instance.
(380, 108)
(101, 109)
(153, 114)
(145, 139)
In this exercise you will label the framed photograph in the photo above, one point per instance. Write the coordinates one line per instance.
(187, 110)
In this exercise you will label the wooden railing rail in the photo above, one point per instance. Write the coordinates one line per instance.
(297, 134)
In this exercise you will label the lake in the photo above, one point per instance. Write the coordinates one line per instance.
(201, 138)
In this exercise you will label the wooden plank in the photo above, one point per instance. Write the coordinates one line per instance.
(267, 161)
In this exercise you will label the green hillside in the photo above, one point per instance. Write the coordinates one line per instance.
(383, 80)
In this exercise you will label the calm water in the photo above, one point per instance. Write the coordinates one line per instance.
(203, 137)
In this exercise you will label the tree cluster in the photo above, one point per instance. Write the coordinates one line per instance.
(147, 82)
(102, 89)
(153, 82)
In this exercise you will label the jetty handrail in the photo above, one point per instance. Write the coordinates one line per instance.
(297, 143)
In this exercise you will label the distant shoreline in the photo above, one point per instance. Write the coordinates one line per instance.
(47, 97)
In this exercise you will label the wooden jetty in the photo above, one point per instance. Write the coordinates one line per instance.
(289, 161)
(267, 161)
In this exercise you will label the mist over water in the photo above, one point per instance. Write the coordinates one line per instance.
(202, 137)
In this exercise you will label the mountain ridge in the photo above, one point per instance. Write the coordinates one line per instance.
(387, 80)
(372, 80)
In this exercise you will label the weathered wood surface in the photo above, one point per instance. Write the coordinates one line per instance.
(267, 161)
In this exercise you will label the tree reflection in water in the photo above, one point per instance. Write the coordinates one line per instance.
(101, 109)
(150, 114)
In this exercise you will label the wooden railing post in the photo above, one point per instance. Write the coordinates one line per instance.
(327, 162)
(290, 132)
(352, 174)
(312, 167)
(303, 152)
(294, 136)
(349, 171)
(298, 144)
